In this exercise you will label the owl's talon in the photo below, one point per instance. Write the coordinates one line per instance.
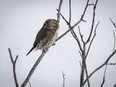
(45, 50)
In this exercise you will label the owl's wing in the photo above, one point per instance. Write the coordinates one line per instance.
(41, 35)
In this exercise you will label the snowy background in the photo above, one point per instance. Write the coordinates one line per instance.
(20, 20)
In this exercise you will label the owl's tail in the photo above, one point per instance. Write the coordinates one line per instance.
(30, 50)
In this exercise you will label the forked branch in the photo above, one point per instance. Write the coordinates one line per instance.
(14, 67)
(102, 65)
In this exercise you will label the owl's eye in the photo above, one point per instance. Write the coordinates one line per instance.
(45, 25)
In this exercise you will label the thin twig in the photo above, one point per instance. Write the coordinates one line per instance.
(69, 25)
(64, 19)
(14, 67)
(114, 41)
(92, 39)
(104, 76)
(63, 75)
(30, 84)
(93, 21)
(63, 34)
(112, 22)
(102, 65)
(111, 63)
(83, 14)
(70, 12)
(91, 4)
(33, 69)
(114, 85)
(59, 9)
(113, 34)
(77, 39)
(81, 34)
(80, 20)
(72, 31)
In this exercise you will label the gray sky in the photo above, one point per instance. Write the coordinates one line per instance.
(20, 20)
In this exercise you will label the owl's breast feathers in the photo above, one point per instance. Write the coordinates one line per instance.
(44, 35)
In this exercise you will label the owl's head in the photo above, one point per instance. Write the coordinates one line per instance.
(51, 24)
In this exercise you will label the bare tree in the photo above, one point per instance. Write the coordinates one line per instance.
(84, 46)
(83, 50)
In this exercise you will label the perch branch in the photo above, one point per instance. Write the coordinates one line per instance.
(43, 53)
(33, 69)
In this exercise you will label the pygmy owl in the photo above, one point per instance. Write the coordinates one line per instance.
(46, 37)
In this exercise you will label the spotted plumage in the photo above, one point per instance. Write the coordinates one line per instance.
(46, 37)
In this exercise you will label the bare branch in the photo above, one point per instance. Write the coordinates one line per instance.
(113, 34)
(91, 4)
(81, 35)
(10, 55)
(69, 11)
(63, 35)
(64, 19)
(86, 71)
(102, 65)
(33, 69)
(76, 38)
(81, 19)
(111, 63)
(30, 84)
(92, 39)
(114, 41)
(70, 29)
(104, 76)
(84, 67)
(93, 20)
(63, 75)
(112, 22)
(82, 16)
(59, 9)
(114, 85)
(14, 66)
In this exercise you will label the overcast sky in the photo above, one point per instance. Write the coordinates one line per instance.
(20, 20)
